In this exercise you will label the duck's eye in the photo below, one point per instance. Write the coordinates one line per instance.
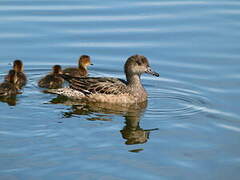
(139, 63)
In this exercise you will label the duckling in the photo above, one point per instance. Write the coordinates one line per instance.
(110, 90)
(21, 77)
(53, 80)
(83, 62)
(9, 87)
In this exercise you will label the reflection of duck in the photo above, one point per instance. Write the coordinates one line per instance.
(133, 133)
(11, 101)
(103, 111)
(83, 62)
(106, 108)
(8, 87)
(110, 90)
(21, 77)
(52, 80)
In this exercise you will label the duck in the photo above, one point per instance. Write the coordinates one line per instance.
(9, 87)
(53, 80)
(21, 77)
(109, 89)
(82, 71)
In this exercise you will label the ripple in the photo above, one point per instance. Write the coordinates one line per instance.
(176, 102)
(137, 30)
(219, 113)
(228, 12)
(186, 3)
(116, 44)
(232, 128)
(85, 18)
(172, 3)
(16, 35)
(52, 8)
(189, 65)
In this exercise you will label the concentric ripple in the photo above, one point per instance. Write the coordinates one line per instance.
(175, 102)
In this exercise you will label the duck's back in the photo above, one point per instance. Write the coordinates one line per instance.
(21, 79)
(75, 72)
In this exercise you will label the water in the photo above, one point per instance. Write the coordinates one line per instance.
(190, 127)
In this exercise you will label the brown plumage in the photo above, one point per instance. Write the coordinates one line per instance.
(9, 86)
(21, 77)
(53, 80)
(111, 90)
(80, 71)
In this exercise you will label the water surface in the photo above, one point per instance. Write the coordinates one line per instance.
(188, 129)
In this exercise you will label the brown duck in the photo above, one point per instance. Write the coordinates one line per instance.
(9, 86)
(21, 77)
(53, 80)
(80, 71)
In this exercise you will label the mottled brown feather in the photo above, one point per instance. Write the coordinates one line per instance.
(94, 85)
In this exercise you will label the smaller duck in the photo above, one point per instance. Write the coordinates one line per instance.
(52, 80)
(83, 62)
(9, 87)
(21, 77)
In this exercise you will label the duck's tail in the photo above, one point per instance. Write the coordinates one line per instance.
(51, 91)
(60, 91)
(68, 92)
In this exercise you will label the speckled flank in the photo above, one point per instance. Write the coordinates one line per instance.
(68, 92)
(109, 98)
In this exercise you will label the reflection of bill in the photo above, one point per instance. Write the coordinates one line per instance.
(133, 133)
(132, 113)
(134, 136)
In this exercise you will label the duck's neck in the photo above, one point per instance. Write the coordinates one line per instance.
(56, 73)
(18, 69)
(136, 88)
(80, 66)
(134, 81)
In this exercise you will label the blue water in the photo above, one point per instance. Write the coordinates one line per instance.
(190, 127)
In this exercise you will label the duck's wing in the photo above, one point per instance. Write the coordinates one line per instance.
(97, 85)
(21, 78)
(75, 72)
(51, 81)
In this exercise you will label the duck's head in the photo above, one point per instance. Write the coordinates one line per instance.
(57, 69)
(18, 65)
(12, 74)
(85, 61)
(137, 65)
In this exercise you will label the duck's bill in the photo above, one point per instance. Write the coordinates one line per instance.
(150, 71)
